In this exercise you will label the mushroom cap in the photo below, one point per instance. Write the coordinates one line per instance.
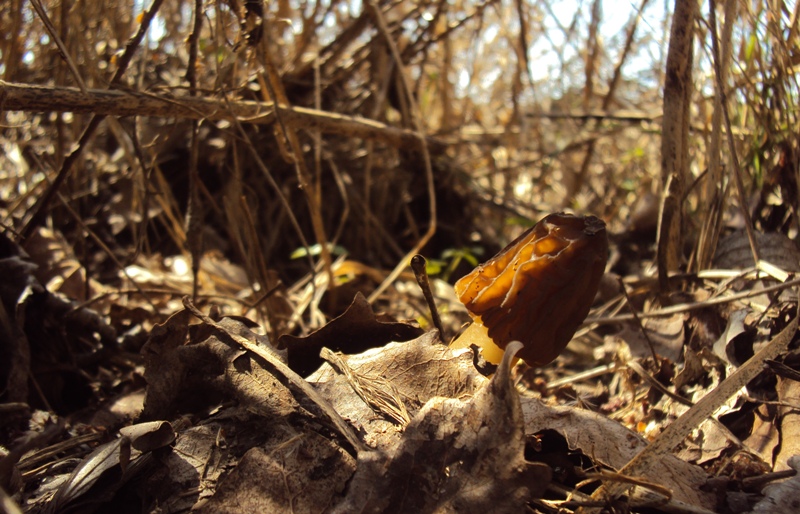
(540, 287)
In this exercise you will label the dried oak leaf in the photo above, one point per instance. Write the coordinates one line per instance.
(454, 456)
(356, 330)
(298, 475)
(610, 444)
(189, 368)
(417, 371)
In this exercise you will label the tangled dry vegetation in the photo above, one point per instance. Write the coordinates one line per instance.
(209, 210)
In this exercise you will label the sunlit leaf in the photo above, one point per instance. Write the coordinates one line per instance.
(750, 48)
(434, 266)
(315, 250)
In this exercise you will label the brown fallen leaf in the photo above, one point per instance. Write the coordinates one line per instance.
(301, 474)
(192, 368)
(464, 456)
(610, 444)
(788, 424)
(355, 331)
(417, 370)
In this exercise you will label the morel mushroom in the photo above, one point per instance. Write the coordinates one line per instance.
(537, 290)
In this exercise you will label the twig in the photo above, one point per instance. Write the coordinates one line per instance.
(194, 207)
(418, 265)
(30, 98)
(685, 307)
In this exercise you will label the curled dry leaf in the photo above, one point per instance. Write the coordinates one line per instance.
(99, 476)
(454, 456)
(150, 435)
(355, 331)
(417, 370)
(191, 368)
(610, 444)
(298, 475)
(539, 288)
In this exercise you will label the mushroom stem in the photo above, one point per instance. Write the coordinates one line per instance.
(477, 334)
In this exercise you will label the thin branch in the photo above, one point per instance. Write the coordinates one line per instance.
(22, 97)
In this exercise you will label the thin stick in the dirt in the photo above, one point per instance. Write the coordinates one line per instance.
(194, 207)
(418, 264)
(295, 380)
